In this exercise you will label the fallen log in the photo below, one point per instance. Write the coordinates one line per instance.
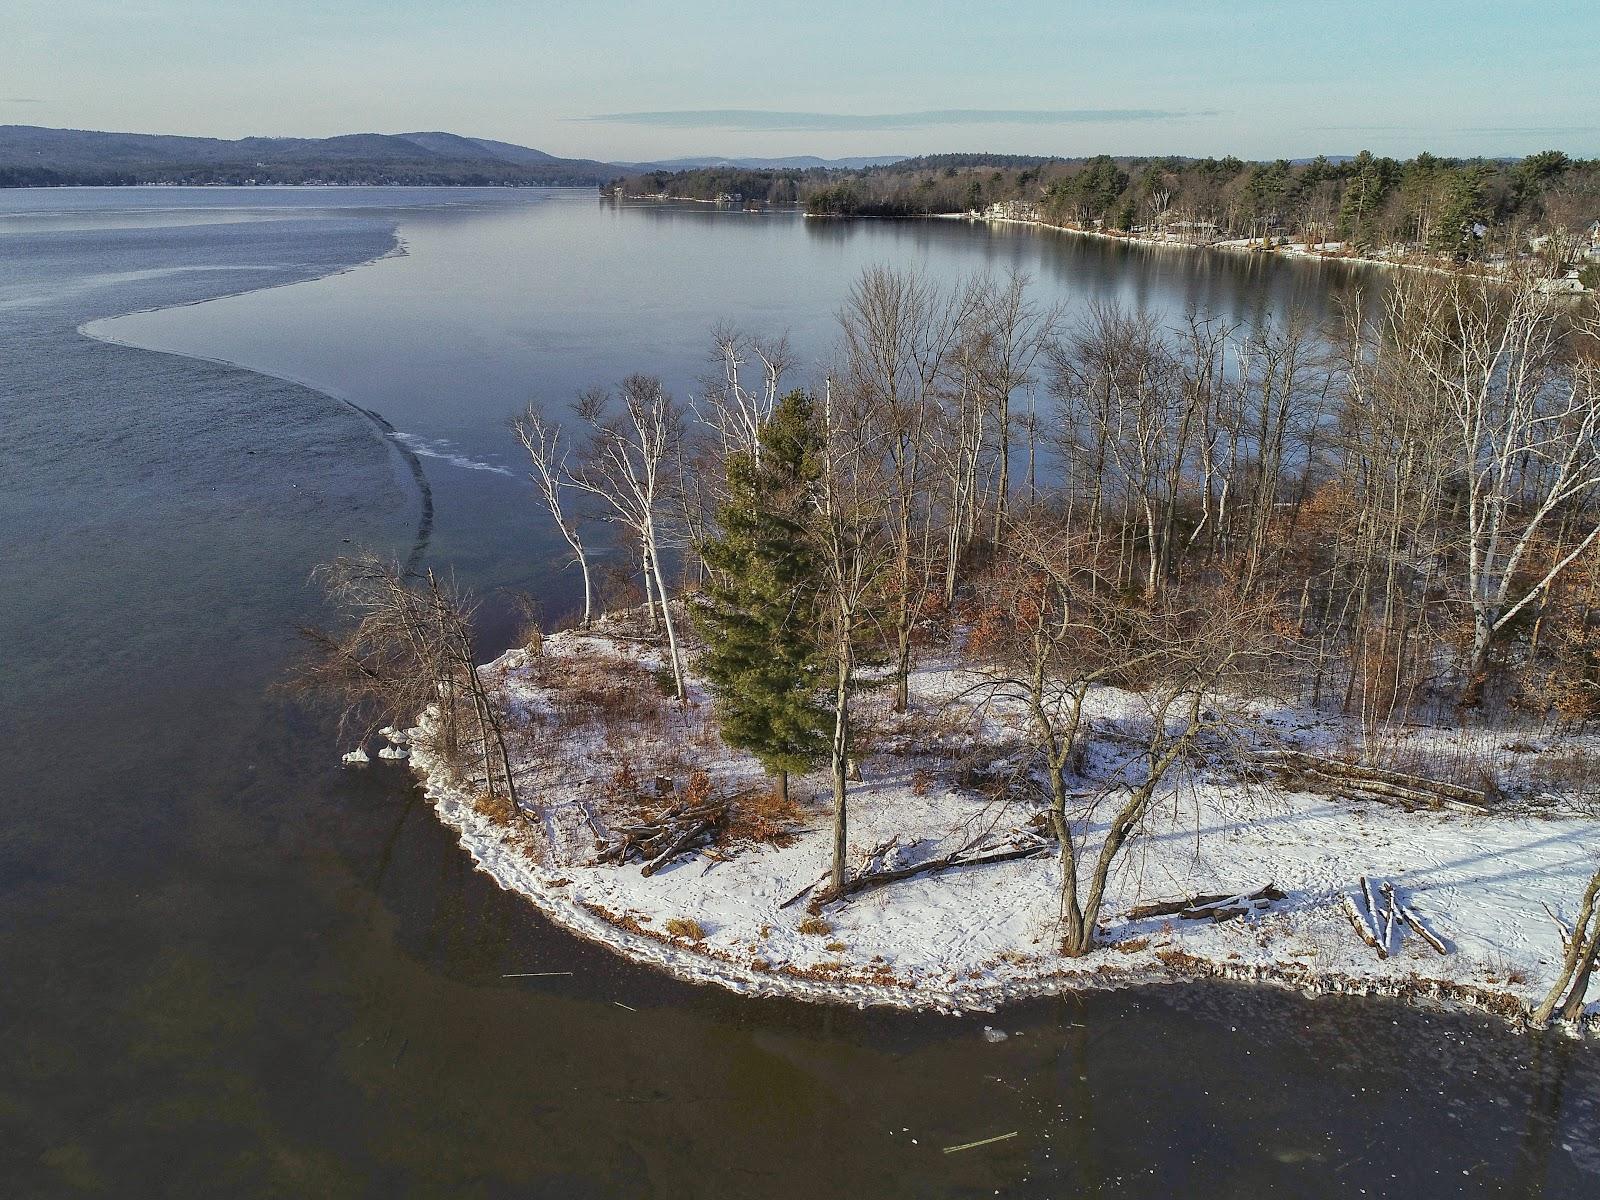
(861, 883)
(1371, 909)
(1409, 916)
(800, 895)
(1203, 906)
(618, 850)
(1390, 915)
(1234, 906)
(1360, 921)
(678, 845)
(1171, 908)
(1341, 785)
(1406, 798)
(649, 839)
(1399, 785)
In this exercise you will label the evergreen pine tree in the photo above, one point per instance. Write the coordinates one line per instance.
(758, 612)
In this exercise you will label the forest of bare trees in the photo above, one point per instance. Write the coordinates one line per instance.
(1393, 517)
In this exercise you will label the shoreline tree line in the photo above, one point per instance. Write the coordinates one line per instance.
(1462, 209)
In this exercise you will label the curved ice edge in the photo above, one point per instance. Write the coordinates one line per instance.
(387, 433)
(514, 873)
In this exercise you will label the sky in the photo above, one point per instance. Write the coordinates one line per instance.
(635, 82)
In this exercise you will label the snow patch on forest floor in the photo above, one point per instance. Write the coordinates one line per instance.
(975, 937)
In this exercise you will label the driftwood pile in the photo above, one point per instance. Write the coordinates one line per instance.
(1382, 927)
(662, 838)
(1361, 781)
(1223, 906)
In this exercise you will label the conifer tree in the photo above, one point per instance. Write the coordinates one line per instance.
(759, 610)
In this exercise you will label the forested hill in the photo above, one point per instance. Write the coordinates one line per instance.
(1438, 205)
(32, 156)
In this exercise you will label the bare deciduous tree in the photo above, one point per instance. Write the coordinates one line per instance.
(406, 650)
(1052, 630)
(1013, 330)
(1525, 414)
(1581, 951)
(900, 331)
(731, 408)
(851, 513)
(541, 438)
(625, 465)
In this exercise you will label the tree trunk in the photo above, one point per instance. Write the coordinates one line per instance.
(1579, 962)
(841, 753)
(666, 619)
(1074, 944)
(1573, 1008)
(588, 588)
(1003, 484)
(649, 590)
(1478, 661)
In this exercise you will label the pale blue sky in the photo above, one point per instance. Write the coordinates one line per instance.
(826, 77)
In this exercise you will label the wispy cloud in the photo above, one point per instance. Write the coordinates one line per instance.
(1463, 131)
(755, 120)
(20, 100)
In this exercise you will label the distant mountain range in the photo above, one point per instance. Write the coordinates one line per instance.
(31, 155)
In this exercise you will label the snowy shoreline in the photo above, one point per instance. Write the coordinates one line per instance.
(973, 939)
(1232, 246)
(484, 842)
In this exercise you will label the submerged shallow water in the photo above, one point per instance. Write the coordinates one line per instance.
(230, 967)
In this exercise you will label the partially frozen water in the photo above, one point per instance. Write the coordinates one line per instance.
(230, 966)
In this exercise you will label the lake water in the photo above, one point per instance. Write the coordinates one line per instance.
(229, 967)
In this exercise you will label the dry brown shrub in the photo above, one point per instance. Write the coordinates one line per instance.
(623, 787)
(1573, 772)
(686, 927)
(933, 620)
(1472, 762)
(760, 817)
(815, 926)
(1183, 962)
(596, 689)
(632, 922)
(531, 638)
(698, 790)
(703, 736)
(497, 808)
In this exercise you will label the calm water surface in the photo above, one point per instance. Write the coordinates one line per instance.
(230, 968)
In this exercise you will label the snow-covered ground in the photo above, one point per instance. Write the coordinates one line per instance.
(975, 937)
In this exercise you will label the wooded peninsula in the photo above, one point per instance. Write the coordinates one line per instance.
(910, 682)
